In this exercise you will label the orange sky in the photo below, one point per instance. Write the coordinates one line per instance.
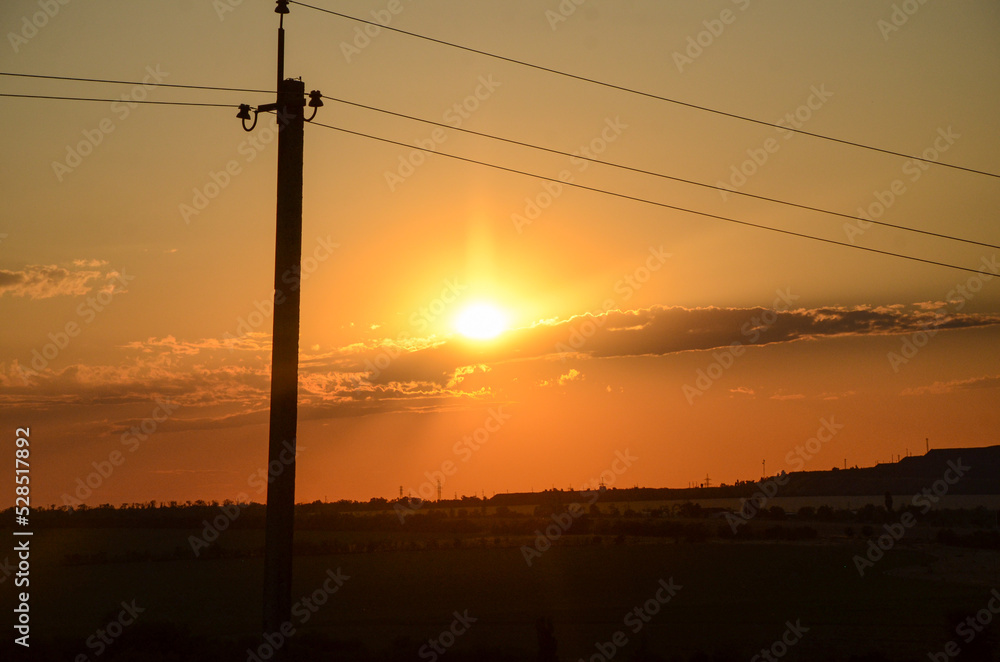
(136, 322)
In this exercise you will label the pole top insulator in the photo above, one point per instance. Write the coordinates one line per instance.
(282, 7)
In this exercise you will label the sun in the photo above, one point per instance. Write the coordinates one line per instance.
(481, 321)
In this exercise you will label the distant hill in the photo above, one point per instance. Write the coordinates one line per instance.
(980, 468)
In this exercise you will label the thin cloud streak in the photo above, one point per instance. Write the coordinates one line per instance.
(217, 386)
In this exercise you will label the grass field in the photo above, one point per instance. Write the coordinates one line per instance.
(735, 597)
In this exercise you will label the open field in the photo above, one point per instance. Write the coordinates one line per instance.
(735, 598)
(610, 504)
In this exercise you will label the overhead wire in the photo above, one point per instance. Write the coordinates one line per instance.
(476, 133)
(662, 175)
(535, 175)
(131, 82)
(147, 101)
(664, 205)
(649, 95)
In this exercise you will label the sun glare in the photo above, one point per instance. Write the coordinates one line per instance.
(481, 321)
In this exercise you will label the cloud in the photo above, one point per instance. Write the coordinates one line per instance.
(463, 372)
(573, 375)
(937, 388)
(225, 382)
(189, 348)
(138, 380)
(788, 396)
(40, 281)
(837, 396)
(45, 281)
(660, 331)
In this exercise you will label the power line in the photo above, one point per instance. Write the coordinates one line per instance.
(663, 176)
(132, 82)
(554, 151)
(646, 201)
(161, 103)
(485, 135)
(649, 95)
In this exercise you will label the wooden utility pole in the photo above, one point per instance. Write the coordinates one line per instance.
(280, 523)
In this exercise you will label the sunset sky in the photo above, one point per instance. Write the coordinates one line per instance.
(136, 271)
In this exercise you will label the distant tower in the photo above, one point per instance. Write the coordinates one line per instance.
(400, 491)
(708, 481)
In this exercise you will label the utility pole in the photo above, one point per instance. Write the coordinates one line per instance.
(280, 514)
